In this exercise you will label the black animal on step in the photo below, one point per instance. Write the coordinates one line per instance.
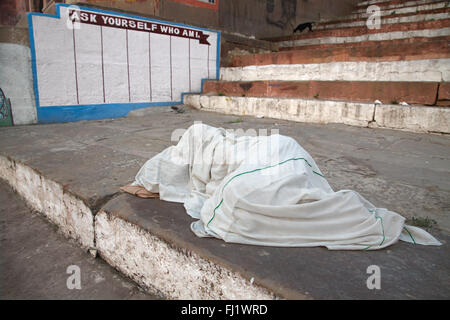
(303, 26)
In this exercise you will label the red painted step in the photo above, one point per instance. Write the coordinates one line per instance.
(366, 43)
(423, 93)
(444, 95)
(393, 2)
(395, 50)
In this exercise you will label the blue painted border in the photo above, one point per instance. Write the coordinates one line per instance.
(98, 111)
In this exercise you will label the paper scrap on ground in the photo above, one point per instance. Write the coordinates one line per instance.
(267, 190)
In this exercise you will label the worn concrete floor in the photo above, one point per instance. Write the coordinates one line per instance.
(405, 172)
(34, 258)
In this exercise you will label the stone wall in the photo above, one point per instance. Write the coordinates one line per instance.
(270, 18)
(16, 78)
(256, 18)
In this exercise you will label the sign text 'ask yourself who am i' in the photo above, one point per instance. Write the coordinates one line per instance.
(138, 25)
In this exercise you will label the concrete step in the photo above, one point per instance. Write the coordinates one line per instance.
(401, 42)
(394, 19)
(428, 70)
(409, 118)
(395, 50)
(422, 93)
(387, 3)
(385, 11)
(393, 4)
(149, 240)
(146, 239)
(437, 11)
(358, 31)
(34, 258)
(410, 20)
(371, 36)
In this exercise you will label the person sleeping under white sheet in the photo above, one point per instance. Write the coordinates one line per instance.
(267, 190)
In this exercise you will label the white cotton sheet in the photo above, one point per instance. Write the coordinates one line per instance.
(267, 190)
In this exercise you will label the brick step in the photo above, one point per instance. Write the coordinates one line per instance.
(400, 42)
(432, 15)
(387, 3)
(395, 5)
(358, 31)
(428, 70)
(404, 10)
(444, 94)
(385, 51)
(388, 14)
(368, 37)
(422, 93)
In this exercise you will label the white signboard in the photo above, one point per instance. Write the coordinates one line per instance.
(94, 64)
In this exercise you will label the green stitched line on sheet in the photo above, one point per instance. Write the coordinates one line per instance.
(382, 228)
(410, 235)
(255, 170)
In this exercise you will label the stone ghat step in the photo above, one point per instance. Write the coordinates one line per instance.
(389, 116)
(358, 31)
(428, 70)
(406, 13)
(368, 37)
(408, 18)
(416, 9)
(422, 93)
(362, 6)
(395, 50)
(401, 42)
(64, 167)
(437, 11)
(149, 240)
(387, 3)
(357, 27)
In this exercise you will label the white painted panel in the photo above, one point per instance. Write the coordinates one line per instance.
(115, 65)
(199, 64)
(89, 64)
(55, 62)
(160, 65)
(180, 67)
(95, 65)
(138, 54)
